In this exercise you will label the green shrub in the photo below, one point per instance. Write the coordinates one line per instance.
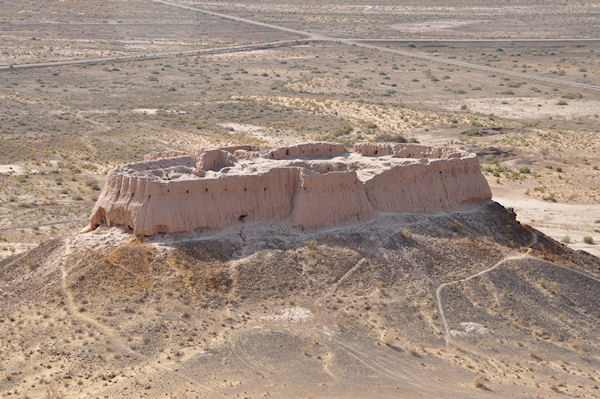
(588, 240)
(394, 138)
(525, 170)
(343, 131)
(456, 226)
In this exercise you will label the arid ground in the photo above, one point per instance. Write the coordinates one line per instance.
(469, 304)
(517, 82)
(63, 127)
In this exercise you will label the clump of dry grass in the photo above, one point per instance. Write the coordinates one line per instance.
(479, 383)
(312, 245)
(406, 233)
(551, 286)
(411, 350)
(456, 226)
(534, 354)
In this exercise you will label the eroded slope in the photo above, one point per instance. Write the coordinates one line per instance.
(264, 310)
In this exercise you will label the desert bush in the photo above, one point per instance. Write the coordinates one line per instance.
(456, 226)
(588, 240)
(406, 233)
(479, 383)
(343, 131)
(572, 96)
(93, 184)
(430, 76)
(356, 83)
(394, 138)
(534, 354)
(312, 245)
(525, 170)
(551, 286)
(278, 85)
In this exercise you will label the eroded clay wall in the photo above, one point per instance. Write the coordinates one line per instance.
(174, 195)
(149, 206)
(440, 184)
(329, 199)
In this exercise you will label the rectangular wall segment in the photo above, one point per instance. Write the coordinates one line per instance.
(149, 207)
(329, 199)
(427, 187)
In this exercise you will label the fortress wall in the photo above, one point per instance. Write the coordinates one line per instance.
(427, 187)
(160, 163)
(309, 150)
(173, 195)
(329, 199)
(402, 150)
(207, 159)
(233, 148)
(121, 201)
(149, 206)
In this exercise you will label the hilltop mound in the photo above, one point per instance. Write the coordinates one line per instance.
(462, 304)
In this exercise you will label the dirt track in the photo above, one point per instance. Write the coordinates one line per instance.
(209, 51)
(317, 36)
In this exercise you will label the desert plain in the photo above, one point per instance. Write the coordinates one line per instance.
(87, 87)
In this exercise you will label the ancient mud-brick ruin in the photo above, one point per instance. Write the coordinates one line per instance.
(307, 185)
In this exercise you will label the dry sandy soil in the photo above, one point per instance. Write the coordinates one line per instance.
(381, 309)
(62, 128)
